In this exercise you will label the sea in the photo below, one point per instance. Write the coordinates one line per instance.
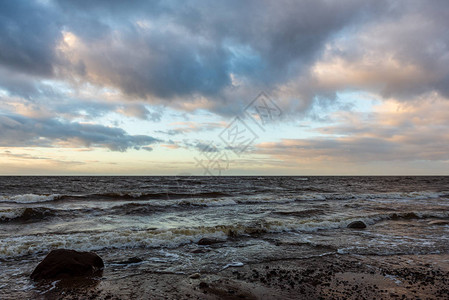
(138, 224)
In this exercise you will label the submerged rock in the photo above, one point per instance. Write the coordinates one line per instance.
(131, 260)
(35, 213)
(210, 241)
(200, 250)
(195, 276)
(357, 225)
(64, 263)
(405, 216)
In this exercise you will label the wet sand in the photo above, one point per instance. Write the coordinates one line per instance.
(328, 277)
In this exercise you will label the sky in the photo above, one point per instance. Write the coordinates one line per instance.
(311, 87)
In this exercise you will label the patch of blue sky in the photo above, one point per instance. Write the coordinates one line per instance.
(358, 101)
(244, 60)
(320, 116)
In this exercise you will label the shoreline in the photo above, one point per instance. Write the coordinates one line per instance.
(334, 276)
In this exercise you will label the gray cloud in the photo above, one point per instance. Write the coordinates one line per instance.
(43, 99)
(192, 48)
(188, 127)
(357, 149)
(402, 53)
(174, 52)
(19, 131)
(28, 35)
(174, 49)
(410, 132)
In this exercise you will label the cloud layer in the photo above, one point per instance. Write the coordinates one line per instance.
(67, 66)
(394, 131)
(19, 131)
(178, 51)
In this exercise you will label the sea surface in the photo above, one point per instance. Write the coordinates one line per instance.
(256, 219)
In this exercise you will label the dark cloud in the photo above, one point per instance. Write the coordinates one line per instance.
(29, 32)
(402, 53)
(44, 99)
(218, 55)
(173, 49)
(19, 131)
(192, 48)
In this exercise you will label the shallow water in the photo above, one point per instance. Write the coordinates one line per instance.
(161, 219)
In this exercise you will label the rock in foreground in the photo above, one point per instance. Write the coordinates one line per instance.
(357, 225)
(63, 263)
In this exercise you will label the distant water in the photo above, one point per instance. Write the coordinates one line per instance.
(160, 220)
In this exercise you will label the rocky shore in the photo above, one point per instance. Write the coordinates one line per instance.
(327, 277)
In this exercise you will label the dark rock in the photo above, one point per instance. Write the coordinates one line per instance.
(232, 233)
(131, 260)
(357, 225)
(200, 250)
(29, 214)
(63, 263)
(35, 213)
(210, 241)
(203, 285)
(406, 216)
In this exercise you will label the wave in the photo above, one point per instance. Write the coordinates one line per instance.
(422, 195)
(174, 237)
(300, 213)
(391, 196)
(25, 214)
(35, 198)
(30, 198)
(195, 202)
(156, 196)
(144, 208)
(36, 214)
(149, 238)
(311, 194)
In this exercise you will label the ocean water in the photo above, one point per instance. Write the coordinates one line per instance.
(257, 219)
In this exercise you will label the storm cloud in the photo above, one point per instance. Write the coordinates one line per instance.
(179, 51)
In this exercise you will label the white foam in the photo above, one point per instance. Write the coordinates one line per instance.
(173, 237)
(8, 214)
(316, 196)
(378, 197)
(403, 196)
(29, 198)
(89, 241)
(207, 201)
(233, 265)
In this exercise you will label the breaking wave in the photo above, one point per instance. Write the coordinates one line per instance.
(30, 198)
(175, 237)
(25, 214)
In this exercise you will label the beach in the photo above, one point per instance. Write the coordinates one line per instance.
(229, 237)
(329, 277)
